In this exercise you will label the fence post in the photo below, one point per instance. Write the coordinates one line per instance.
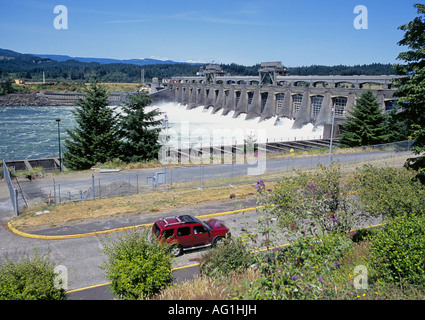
(13, 193)
(129, 185)
(200, 176)
(54, 190)
(92, 187)
(16, 202)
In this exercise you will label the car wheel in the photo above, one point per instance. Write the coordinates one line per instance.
(218, 240)
(176, 250)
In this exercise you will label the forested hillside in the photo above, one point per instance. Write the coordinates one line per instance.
(30, 68)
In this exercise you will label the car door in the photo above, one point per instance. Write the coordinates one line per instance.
(184, 236)
(201, 236)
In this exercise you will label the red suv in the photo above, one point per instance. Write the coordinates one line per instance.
(189, 232)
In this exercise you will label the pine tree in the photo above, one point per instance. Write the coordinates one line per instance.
(140, 129)
(398, 127)
(366, 124)
(96, 137)
(411, 87)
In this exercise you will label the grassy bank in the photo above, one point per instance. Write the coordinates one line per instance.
(138, 204)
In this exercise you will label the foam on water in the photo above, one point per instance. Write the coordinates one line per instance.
(32, 132)
(201, 124)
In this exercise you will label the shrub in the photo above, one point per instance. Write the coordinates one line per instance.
(228, 256)
(29, 279)
(299, 271)
(389, 191)
(398, 250)
(314, 204)
(138, 266)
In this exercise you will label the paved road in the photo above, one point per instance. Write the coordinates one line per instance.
(132, 181)
(82, 256)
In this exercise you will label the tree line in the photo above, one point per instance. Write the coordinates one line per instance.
(31, 68)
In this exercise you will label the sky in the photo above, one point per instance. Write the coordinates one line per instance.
(298, 33)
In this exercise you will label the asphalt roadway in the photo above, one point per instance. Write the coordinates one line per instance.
(198, 176)
(82, 256)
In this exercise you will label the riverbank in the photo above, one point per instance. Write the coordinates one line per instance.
(52, 98)
(26, 99)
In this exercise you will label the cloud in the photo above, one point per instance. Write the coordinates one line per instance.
(227, 21)
(129, 21)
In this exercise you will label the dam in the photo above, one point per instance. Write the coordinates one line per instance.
(274, 93)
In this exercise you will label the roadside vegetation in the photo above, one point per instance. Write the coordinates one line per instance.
(29, 278)
(327, 259)
(137, 267)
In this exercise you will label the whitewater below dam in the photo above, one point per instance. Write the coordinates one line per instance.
(31, 132)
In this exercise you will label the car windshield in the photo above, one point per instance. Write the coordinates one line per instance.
(206, 225)
(155, 229)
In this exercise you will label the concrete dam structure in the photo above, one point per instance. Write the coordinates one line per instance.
(273, 93)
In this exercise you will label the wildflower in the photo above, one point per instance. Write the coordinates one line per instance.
(295, 277)
(334, 220)
(260, 185)
(320, 279)
(364, 294)
(312, 186)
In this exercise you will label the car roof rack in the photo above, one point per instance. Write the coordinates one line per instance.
(180, 220)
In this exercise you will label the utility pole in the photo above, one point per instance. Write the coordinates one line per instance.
(142, 76)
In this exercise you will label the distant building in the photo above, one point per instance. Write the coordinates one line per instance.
(19, 81)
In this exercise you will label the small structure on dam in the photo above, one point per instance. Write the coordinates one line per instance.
(274, 93)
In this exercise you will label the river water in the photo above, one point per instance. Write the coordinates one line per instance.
(28, 132)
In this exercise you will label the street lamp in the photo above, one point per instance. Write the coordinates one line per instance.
(59, 142)
(332, 134)
(165, 154)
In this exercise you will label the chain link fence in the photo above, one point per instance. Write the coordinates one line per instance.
(109, 183)
(14, 195)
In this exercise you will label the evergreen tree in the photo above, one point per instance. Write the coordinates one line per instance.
(366, 124)
(140, 129)
(397, 126)
(411, 88)
(6, 86)
(96, 137)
